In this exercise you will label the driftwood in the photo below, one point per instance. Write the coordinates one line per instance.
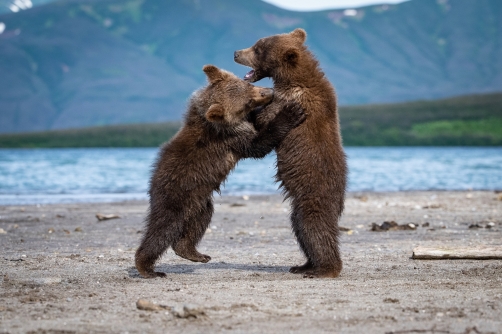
(102, 217)
(474, 253)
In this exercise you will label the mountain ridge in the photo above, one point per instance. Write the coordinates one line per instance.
(82, 63)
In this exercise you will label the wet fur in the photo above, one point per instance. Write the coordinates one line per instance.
(190, 167)
(311, 163)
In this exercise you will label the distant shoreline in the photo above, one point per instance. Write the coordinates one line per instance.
(361, 195)
(470, 120)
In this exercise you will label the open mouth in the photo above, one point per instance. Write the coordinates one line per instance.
(249, 75)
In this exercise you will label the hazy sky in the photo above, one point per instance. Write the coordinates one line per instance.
(309, 5)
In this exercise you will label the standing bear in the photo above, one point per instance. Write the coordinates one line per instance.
(216, 134)
(311, 163)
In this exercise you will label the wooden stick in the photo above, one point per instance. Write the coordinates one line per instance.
(475, 253)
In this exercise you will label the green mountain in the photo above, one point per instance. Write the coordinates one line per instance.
(474, 120)
(84, 63)
(7, 6)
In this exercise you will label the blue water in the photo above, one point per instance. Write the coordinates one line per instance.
(89, 175)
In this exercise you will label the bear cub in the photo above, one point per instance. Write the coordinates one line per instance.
(217, 133)
(311, 163)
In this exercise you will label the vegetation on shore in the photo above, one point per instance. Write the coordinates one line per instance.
(474, 120)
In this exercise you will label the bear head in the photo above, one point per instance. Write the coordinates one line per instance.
(228, 99)
(270, 56)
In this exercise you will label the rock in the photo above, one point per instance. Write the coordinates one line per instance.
(78, 229)
(431, 206)
(2, 231)
(343, 229)
(476, 225)
(362, 198)
(490, 225)
(391, 300)
(102, 217)
(188, 311)
(145, 305)
(392, 226)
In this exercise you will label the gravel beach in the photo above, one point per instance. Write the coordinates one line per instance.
(64, 271)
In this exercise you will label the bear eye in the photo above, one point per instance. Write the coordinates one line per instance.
(257, 51)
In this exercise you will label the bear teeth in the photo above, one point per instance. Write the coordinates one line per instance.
(249, 74)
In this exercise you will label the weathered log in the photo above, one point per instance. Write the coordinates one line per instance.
(475, 253)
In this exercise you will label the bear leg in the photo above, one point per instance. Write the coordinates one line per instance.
(307, 266)
(186, 249)
(161, 229)
(317, 235)
(193, 231)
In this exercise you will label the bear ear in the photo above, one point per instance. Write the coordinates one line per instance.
(291, 57)
(214, 74)
(299, 34)
(215, 113)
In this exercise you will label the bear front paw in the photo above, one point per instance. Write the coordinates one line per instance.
(295, 113)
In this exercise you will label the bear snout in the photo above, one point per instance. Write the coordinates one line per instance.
(266, 92)
(236, 55)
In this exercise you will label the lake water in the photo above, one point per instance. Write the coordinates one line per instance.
(29, 176)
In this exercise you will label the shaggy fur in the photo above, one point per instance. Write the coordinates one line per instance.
(216, 134)
(311, 163)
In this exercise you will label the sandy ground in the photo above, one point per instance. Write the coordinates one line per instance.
(63, 271)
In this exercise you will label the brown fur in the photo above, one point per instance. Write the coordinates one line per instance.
(311, 163)
(198, 159)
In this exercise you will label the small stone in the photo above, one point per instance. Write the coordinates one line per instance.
(178, 311)
(145, 305)
(102, 217)
(472, 226)
(391, 300)
(490, 225)
(245, 197)
(188, 311)
(426, 224)
(78, 229)
(2, 231)
(51, 230)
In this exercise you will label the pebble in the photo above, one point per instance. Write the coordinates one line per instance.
(2, 231)
(145, 305)
(102, 217)
(188, 311)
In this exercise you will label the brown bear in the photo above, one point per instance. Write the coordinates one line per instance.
(311, 163)
(217, 133)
